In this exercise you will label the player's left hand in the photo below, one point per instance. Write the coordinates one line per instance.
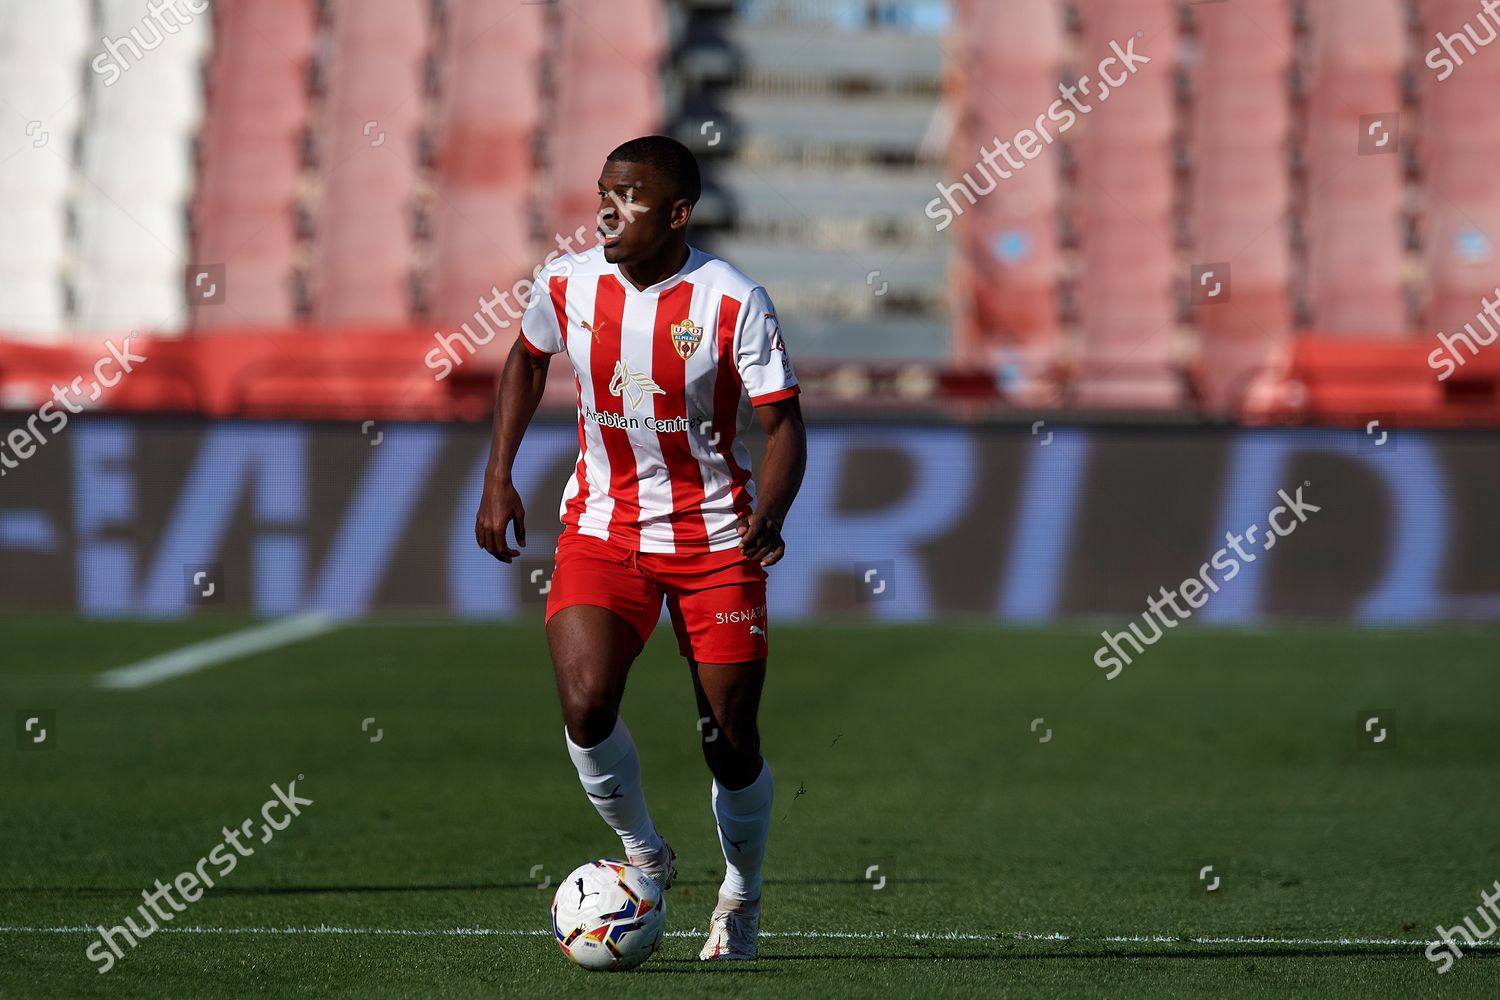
(760, 539)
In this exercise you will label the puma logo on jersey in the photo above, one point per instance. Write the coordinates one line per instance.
(632, 386)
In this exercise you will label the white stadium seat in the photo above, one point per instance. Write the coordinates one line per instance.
(45, 91)
(43, 83)
(136, 157)
(32, 237)
(137, 238)
(32, 306)
(35, 175)
(148, 303)
(134, 167)
(162, 94)
(66, 24)
(193, 36)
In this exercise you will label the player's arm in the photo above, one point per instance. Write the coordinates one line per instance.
(521, 387)
(766, 373)
(780, 478)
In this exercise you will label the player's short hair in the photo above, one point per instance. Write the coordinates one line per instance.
(666, 154)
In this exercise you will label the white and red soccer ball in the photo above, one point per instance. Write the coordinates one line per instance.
(608, 916)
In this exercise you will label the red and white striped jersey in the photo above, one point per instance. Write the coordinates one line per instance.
(667, 378)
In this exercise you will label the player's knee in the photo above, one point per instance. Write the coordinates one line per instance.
(589, 713)
(590, 728)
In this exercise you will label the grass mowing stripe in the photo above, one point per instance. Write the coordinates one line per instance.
(202, 655)
(1216, 939)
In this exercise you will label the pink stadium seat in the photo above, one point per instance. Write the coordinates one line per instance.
(1255, 244)
(396, 26)
(1349, 40)
(1124, 216)
(608, 91)
(1138, 185)
(1239, 198)
(1356, 258)
(1005, 279)
(487, 142)
(1458, 23)
(1010, 37)
(256, 87)
(1240, 112)
(1461, 237)
(485, 161)
(1458, 142)
(250, 160)
(482, 242)
(368, 165)
(624, 31)
(248, 172)
(1354, 278)
(1452, 181)
(1236, 41)
(1458, 121)
(257, 247)
(364, 249)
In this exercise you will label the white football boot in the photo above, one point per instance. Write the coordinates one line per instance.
(662, 867)
(733, 932)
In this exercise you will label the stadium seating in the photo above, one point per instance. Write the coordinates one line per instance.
(363, 253)
(1355, 253)
(41, 83)
(486, 156)
(1240, 196)
(1457, 142)
(1124, 213)
(608, 87)
(1007, 276)
(376, 165)
(136, 161)
(250, 168)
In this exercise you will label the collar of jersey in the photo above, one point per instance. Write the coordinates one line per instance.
(695, 260)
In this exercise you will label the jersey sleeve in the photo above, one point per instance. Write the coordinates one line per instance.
(540, 332)
(760, 353)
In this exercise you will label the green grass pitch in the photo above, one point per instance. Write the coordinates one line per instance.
(1014, 863)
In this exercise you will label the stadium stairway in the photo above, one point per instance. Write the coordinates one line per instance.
(815, 120)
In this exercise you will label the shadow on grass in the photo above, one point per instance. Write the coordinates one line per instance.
(1134, 953)
(295, 890)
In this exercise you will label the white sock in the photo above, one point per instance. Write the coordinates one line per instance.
(611, 774)
(744, 819)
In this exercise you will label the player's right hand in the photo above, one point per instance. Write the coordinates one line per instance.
(499, 506)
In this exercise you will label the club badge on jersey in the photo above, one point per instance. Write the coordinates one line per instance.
(686, 336)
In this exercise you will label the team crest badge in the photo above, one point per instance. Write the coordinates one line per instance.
(686, 336)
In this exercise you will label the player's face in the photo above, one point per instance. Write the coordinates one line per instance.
(637, 217)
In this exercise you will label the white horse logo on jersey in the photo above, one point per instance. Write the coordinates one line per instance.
(632, 384)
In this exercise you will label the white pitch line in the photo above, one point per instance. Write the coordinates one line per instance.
(1216, 939)
(212, 652)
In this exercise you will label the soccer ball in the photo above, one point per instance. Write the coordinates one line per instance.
(608, 916)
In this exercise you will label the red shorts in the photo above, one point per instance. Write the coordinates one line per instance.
(717, 599)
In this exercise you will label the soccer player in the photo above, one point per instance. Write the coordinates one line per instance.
(672, 349)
